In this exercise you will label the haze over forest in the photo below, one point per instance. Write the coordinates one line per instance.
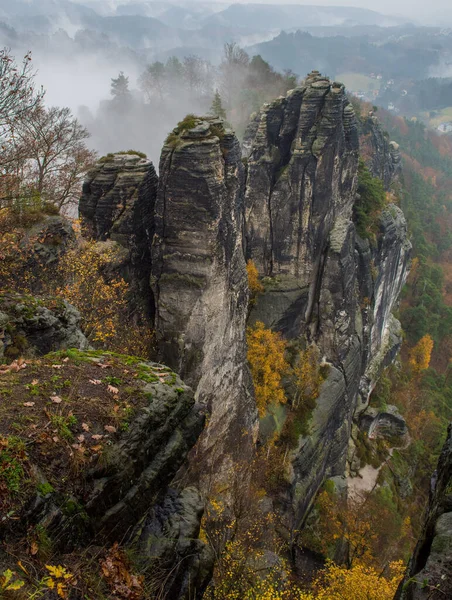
(79, 46)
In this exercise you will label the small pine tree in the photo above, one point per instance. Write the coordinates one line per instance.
(216, 108)
(120, 86)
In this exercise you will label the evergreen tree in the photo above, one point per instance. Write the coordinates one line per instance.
(120, 86)
(216, 107)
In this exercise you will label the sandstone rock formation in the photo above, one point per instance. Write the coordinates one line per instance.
(200, 282)
(288, 205)
(117, 204)
(31, 326)
(382, 156)
(324, 284)
(429, 573)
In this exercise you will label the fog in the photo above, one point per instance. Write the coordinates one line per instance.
(78, 47)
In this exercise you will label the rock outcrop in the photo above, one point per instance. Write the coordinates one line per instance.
(382, 156)
(429, 573)
(288, 206)
(99, 472)
(324, 285)
(117, 204)
(31, 326)
(199, 280)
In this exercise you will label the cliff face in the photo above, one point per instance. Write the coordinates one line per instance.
(429, 573)
(325, 285)
(382, 156)
(289, 210)
(200, 282)
(117, 203)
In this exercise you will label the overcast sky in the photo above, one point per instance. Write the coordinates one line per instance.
(438, 12)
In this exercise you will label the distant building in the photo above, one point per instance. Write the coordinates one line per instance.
(445, 127)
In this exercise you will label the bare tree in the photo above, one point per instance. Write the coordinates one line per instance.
(52, 155)
(17, 90)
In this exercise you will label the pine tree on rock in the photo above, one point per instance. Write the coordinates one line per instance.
(216, 108)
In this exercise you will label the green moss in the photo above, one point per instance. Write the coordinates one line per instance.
(12, 460)
(173, 138)
(369, 203)
(63, 424)
(133, 153)
(44, 488)
(147, 376)
(217, 131)
(45, 546)
(188, 122)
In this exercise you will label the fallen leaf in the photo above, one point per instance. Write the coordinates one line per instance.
(96, 436)
(56, 399)
(33, 548)
(22, 567)
(81, 437)
(56, 439)
(56, 366)
(66, 359)
(35, 382)
(115, 408)
(75, 446)
(17, 365)
(29, 403)
(112, 389)
(110, 428)
(95, 381)
(104, 365)
(96, 448)
(85, 426)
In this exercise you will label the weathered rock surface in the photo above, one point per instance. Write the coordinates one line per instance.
(121, 493)
(382, 156)
(429, 573)
(169, 539)
(117, 203)
(50, 238)
(31, 326)
(387, 423)
(200, 282)
(324, 284)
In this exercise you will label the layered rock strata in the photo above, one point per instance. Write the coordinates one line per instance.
(324, 285)
(199, 279)
(382, 156)
(117, 203)
(290, 210)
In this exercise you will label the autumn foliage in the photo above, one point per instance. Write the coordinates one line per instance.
(358, 583)
(420, 354)
(266, 356)
(255, 286)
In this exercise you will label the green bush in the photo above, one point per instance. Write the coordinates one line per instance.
(369, 203)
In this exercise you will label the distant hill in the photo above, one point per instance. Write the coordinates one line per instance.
(280, 16)
(403, 52)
